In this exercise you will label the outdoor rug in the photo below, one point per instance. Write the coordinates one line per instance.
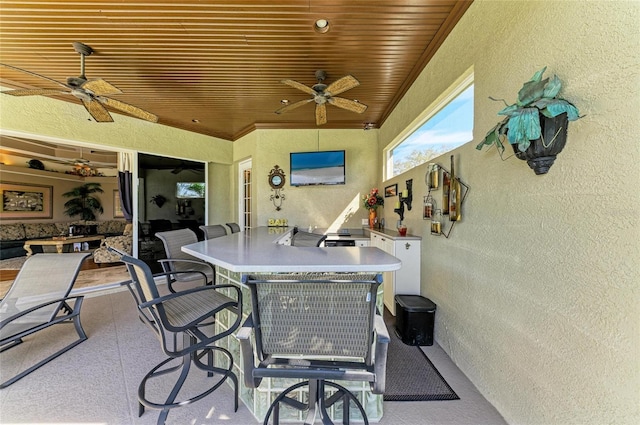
(410, 374)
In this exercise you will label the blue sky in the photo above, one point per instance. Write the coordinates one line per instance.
(447, 129)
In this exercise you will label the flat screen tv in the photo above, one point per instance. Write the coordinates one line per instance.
(317, 168)
(190, 190)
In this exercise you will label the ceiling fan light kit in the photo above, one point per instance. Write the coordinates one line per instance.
(92, 93)
(322, 94)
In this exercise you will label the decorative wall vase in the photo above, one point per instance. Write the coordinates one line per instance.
(541, 153)
(372, 218)
(159, 200)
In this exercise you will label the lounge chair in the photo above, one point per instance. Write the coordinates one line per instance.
(39, 298)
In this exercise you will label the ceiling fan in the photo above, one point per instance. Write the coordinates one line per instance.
(81, 161)
(323, 94)
(92, 93)
(183, 166)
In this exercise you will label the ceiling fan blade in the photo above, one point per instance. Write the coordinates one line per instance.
(343, 84)
(299, 86)
(35, 75)
(97, 111)
(129, 109)
(321, 114)
(350, 105)
(294, 105)
(34, 92)
(100, 87)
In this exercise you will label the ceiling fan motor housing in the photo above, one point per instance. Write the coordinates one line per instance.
(76, 81)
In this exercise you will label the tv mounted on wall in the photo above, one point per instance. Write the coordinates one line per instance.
(190, 190)
(317, 168)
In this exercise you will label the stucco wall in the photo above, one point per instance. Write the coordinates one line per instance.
(66, 122)
(59, 185)
(537, 288)
(320, 206)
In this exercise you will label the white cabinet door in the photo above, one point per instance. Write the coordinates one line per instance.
(390, 288)
(379, 241)
(406, 280)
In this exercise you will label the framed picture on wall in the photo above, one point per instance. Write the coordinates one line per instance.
(390, 191)
(117, 206)
(25, 201)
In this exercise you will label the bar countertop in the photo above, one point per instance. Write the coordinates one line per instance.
(257, 250)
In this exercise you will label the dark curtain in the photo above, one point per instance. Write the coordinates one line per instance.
(126, 194)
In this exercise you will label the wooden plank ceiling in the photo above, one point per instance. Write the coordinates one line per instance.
(214, 67)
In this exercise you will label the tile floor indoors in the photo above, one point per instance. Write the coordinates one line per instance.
(96, 382)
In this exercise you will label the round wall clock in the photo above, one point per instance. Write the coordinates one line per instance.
(276, 178)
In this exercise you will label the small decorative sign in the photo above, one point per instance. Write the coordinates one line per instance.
(277, 222)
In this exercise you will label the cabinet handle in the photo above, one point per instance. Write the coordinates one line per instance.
(407, 245)
(383, 239)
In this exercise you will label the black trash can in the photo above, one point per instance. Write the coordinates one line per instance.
(415, 316)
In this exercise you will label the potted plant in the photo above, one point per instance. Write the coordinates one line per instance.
(536, 125)
(159, 200)
(82, 201)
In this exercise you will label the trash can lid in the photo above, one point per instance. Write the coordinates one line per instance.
(416, 303)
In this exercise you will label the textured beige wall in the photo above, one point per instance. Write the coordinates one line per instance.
(50, 118)
(34, 114)
(59, 185)
(538, 287)
(321, 206)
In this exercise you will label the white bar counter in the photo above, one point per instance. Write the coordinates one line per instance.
(257, 251)
(261, 250)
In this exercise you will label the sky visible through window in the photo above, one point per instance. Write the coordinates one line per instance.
(449, 128)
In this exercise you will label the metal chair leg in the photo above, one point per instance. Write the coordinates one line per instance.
(317, 402)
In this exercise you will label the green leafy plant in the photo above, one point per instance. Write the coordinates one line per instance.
(522, 122)
(82, 201)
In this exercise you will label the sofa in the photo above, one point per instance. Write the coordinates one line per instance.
(14, 235)
(123, 243)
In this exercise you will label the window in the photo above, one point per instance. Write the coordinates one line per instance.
(447, 125)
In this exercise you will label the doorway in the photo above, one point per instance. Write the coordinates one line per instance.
(171, 196)
(244, 194)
